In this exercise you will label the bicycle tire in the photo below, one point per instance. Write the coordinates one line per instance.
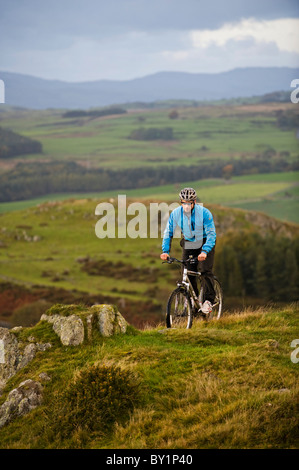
(179, 311)
(216, 313)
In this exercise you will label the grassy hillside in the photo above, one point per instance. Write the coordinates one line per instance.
(54, 245)
(275, 194)
(224, 384)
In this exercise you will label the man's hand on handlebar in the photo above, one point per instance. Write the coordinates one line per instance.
(202, 256)
(164, 256)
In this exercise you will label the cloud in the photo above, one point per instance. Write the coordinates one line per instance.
(283, 32)
(34, 23)
(134, 55)
(76, 40)
(233, 54)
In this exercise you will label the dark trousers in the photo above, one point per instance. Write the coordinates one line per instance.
(206, 268)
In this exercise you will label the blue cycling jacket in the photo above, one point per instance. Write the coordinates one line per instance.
(197, 227)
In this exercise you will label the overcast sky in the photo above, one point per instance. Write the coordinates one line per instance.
(85, 40)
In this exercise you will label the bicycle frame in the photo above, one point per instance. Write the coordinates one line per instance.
(185, 282)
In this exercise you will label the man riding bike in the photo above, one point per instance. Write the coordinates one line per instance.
(199, 239)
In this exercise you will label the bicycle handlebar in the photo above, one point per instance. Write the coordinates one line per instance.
(173, 260)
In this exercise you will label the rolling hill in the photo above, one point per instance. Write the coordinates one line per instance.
(36, 93)
(50, 252)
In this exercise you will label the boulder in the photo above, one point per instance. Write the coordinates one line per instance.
(14, 355)
(28, 354)
(21, 400)
(69, 329)
(110, 321)
(10, 356)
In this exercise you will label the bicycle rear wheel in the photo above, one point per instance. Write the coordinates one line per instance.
(216, 313)
(179, 312)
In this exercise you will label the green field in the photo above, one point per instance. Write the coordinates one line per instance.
(200, 135)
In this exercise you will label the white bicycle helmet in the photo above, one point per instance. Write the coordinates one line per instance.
(188, 194)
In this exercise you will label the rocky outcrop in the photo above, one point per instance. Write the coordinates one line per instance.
(16, 355)
(10, 356)
(21, 400)
(74, 325)
(73, 328)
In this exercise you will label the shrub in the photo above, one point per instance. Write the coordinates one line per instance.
(97, 398)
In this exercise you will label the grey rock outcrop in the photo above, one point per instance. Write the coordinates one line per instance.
(71, 328)
(110, 321)
(10, 356)
(21, 400)
(73, 325)
(15, 355)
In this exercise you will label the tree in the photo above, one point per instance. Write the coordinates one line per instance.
(262, 287)
(291, 270)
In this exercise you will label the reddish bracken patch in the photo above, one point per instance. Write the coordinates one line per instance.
(13, 296)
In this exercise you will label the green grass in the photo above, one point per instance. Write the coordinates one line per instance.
(283, 209)
(225, 384)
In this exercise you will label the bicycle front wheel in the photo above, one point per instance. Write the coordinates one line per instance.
(179, 312)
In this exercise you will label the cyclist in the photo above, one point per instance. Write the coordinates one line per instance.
(199, 239)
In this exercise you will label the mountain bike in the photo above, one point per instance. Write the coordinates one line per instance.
(183, 305)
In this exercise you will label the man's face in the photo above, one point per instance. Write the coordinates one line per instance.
(187, 206)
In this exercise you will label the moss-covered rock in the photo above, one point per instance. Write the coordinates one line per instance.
(70, 329)
(110, 321)
(16, 354)
(74, 323)
(21, 400)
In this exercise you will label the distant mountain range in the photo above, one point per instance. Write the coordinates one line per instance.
(36, 93)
